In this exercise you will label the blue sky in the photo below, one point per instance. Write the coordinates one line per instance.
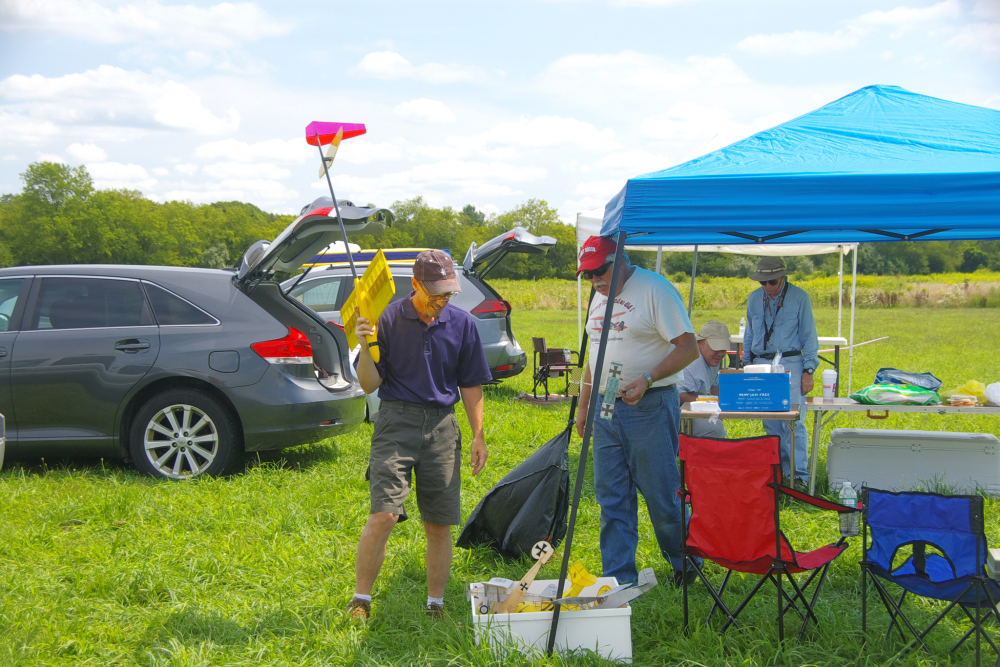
(483, 103)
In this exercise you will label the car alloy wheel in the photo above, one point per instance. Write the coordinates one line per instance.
(181, 441)
(180, 434)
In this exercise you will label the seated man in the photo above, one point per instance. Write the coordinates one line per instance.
(702, 375)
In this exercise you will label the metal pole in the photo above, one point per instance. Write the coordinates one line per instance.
(854, 305)
(343, 230)
(840, 291)
(694, 270)
(659, 258)
(588, 431)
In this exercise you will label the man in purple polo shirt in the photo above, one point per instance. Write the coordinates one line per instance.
(430, 354)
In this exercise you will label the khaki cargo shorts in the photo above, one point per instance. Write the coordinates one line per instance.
(412, 439)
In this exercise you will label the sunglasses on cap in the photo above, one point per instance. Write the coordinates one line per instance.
(772, 281)
(599, 271)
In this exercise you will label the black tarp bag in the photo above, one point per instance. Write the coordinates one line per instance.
(529, 504)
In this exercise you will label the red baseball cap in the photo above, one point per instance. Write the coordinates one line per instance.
(596, 252)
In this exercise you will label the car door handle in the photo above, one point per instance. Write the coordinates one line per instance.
(3, 352)
(132, 345)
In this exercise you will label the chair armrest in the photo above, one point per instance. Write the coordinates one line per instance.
(817, 502)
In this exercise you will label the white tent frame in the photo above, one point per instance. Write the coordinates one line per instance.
(588, 223)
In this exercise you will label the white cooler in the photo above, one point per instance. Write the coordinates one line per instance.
(911, 460)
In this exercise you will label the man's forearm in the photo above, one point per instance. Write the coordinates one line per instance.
(472, 399)
(685, 351)
(367, 372)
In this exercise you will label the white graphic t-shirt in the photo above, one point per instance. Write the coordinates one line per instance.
(646, 316)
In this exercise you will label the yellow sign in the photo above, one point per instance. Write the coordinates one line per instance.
(372, 293)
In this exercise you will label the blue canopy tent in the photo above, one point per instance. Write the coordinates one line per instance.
(880, 164)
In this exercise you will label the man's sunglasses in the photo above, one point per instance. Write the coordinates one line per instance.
(599, 271)
(772, 281)
(443, 296)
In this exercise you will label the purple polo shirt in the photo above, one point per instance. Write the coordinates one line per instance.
(427, 364)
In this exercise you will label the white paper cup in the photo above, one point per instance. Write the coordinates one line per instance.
(829, 384)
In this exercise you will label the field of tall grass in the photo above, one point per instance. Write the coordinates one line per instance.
(101, 566)
(945, 290)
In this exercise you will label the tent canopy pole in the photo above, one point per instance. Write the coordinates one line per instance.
(694, 270)
(854, 302)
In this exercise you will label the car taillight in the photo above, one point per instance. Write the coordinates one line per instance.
(294, 348)
(505, 367)
(496, 308)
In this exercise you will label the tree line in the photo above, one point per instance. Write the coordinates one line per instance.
(60, 218)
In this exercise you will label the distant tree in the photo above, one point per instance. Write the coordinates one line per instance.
(972, 259)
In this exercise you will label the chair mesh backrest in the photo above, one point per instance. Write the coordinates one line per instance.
(951, 523)
(732, 506)
(538, 344)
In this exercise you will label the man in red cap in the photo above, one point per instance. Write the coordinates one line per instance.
(430, 356)
(636, 449)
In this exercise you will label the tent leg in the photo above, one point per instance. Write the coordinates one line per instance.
(694, 270)
(659, 258)
(617, 275)
(840, 295)
(854, 306)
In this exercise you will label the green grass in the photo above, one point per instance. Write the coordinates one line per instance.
(100, 566)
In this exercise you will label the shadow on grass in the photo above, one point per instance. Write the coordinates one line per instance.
(22, 465)
(299, 458)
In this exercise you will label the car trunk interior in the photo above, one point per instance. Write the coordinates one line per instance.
(329, 353)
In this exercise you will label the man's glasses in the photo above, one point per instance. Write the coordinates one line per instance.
(599, 271)
(438, 298)
(772, 281)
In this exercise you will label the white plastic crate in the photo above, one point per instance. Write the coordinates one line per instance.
(898, 460)
(607, 632)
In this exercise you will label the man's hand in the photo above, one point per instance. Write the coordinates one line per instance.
(581, 417)
(808, 382)
(479, 454)
(634, 390)
(363, 328)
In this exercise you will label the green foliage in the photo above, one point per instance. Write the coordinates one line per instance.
(58, 218)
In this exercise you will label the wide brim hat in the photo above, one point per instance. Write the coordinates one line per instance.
(769, 268)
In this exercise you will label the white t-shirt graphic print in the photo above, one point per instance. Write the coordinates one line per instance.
(646, 316)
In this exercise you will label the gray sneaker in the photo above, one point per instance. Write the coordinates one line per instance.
(434, 611)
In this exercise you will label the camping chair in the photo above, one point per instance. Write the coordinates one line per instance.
(549, 364)
(734, 487)
(933, 546)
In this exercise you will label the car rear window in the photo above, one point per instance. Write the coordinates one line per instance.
(171, 309)
(89, 303)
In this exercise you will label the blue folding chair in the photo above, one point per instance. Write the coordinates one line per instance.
(933, 546)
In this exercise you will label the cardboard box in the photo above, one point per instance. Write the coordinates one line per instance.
(755, 392)
(607, 632)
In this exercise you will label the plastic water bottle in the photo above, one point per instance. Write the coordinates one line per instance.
(849, 521)
(566, 354)
(743, 325)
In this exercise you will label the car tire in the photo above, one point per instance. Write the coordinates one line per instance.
(161, 446)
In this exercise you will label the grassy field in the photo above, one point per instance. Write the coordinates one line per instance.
(99, 566)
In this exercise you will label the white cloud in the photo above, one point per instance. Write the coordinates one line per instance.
(988, 10)
(220, 26)
(50, 157)
(187, 169)
(907, 16)
(160, 171)
(358, 151)
(391, 65)
(983, 37)
(23, 129)
(110, 97)
(636, 161)
(261, 192)
(489, 209)
(686, 120)
(800, 42)
(87, 152)
(540, 132)
(425, 111)
(242, 170)
(115, 175)
(293, 150)
(600, 189)
(10, 157)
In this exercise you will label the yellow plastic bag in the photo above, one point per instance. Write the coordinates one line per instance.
(972, 387)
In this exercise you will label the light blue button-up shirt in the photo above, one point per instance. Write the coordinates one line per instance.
(795, 328)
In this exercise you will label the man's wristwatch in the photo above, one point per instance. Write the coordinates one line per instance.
(809, 370)
(649, 380)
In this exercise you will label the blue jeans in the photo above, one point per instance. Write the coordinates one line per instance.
(636, 450)
(782, 429)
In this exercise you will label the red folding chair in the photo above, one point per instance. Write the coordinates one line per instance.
(734, 487)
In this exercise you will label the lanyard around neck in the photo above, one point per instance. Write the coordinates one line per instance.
(781, 301)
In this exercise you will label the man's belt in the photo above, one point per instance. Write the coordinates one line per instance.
(771, 355)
